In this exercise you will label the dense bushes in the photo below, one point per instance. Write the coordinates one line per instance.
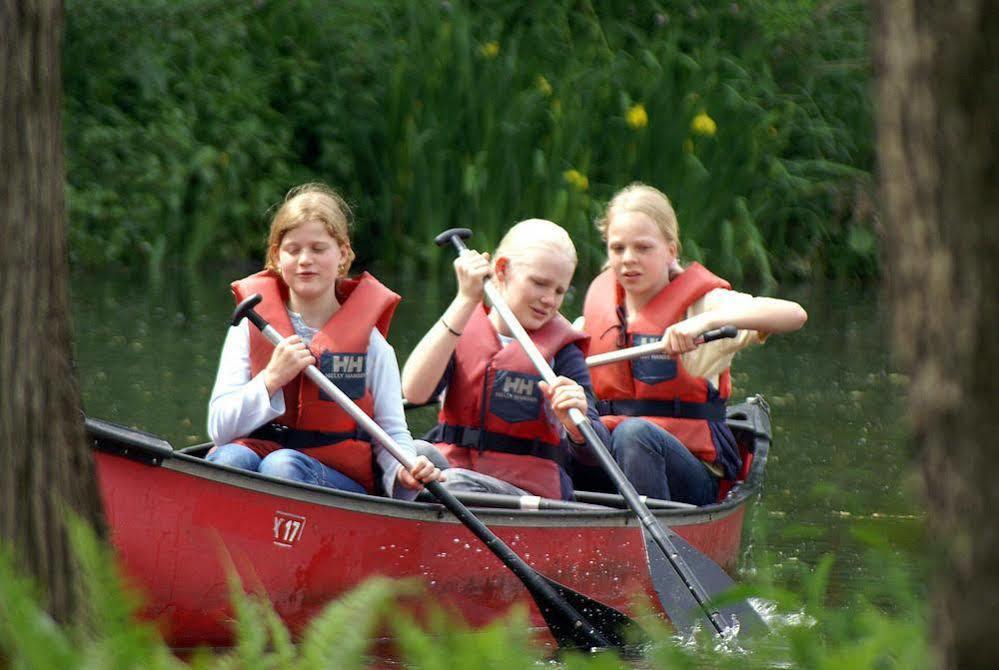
(186, 120)
(886, 628)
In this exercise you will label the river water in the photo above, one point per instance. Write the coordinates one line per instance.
(839, 478)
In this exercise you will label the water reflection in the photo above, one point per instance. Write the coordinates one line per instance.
(839, 477)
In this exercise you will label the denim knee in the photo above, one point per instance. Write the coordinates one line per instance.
(287, 464)
(633, 433)
(235, 456)
(631, 429)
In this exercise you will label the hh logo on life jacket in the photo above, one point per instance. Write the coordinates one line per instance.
(515, 396)
(653, 368)
(288, 528)
(347, 371)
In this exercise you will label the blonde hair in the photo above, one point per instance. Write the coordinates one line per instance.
(531, 234)
(647, 200)
(312, 202)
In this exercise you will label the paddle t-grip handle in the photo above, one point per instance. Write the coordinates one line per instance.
(719, 334)
(244, 310)
(455, 236)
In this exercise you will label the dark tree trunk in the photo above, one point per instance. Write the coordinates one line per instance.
(938, 100)
(45, 465)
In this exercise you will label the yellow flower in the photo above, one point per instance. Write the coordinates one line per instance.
(490, 49)
(703, 125)
(636, 116)
(543, 85)
(576, 179)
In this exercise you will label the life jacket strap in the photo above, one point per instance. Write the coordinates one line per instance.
(713, 410)
(475, 438)
(293, 438)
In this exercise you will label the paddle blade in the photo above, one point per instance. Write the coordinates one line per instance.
(677, 600)
(606, 621)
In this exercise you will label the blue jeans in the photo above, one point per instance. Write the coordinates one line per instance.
(659, 466)
(288, 464)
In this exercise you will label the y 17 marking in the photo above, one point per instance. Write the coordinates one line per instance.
(288, 528)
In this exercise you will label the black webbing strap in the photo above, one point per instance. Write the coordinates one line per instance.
(474, 438)
(292, 438)
(679, 409)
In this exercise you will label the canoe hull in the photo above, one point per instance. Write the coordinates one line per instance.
(179, 525)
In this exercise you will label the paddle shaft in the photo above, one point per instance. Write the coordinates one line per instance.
(607, 462)
(655, 347)
(543, 593)
(528, 503)
(615, 500)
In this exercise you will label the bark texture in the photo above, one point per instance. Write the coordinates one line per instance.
(938, 125)
(45, 464)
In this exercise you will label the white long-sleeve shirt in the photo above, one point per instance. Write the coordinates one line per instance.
(240, 404)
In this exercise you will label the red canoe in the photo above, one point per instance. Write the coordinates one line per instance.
(177, 521)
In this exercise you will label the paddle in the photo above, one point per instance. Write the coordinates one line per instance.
(560, 606)
(656, 347)
(614, 500)
(681, 588)
(527, 503)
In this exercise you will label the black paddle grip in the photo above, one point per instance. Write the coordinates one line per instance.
(719, 333)
(245, 310)
(455, 236)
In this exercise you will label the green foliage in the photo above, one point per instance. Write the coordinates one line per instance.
(106, 637)
(444, 642)
(29, 638)
(883, 629)
(431, 114)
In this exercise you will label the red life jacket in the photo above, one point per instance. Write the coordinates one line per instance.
(312, 421)
(495, 419)
(657, 387)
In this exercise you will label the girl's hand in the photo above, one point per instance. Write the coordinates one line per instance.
(680, 337)
(564, 395)
(423, 472)
(472, 269)
(289, 358)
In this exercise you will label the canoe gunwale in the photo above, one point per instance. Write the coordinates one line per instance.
(751, 417)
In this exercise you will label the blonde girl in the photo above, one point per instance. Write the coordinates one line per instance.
(265, 415)
(667, 411)
(501, 428)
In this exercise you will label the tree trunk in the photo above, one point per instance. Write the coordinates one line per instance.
(938, 106)
(46, 467)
